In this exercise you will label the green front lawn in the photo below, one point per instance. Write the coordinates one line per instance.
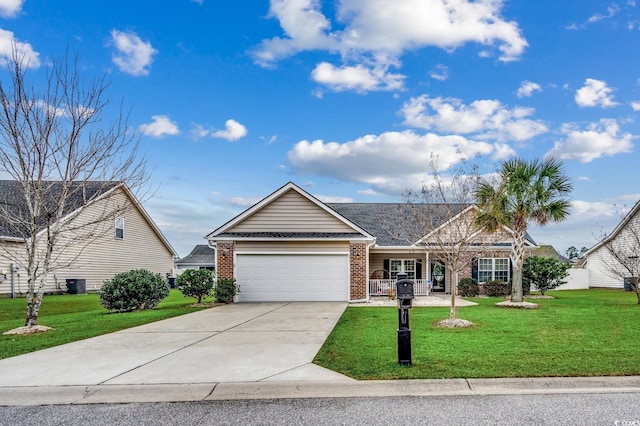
(580, 333)
(77, 317)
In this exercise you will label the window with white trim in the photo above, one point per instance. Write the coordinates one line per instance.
(408, 266)
(119, 228)
(493, 269)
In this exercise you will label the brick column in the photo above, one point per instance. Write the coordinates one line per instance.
(224, 255)
(358, 271)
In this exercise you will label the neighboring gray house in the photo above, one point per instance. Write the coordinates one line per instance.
(127, 240)
(201, 257)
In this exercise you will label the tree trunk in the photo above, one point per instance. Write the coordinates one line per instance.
(517, 257)
(516, 287)
(452, 313)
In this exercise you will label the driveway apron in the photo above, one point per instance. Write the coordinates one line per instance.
(245, 342)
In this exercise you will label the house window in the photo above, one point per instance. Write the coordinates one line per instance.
(408, 266)
(493, 269)
(120, 228)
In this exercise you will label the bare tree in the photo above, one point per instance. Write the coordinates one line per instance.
(440, 217)
(622, 259)
(61, 157)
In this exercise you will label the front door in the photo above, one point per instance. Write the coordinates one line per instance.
(438, 276)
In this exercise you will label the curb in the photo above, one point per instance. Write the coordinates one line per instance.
(154, 393)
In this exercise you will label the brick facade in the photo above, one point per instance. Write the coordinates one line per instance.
(358, 271)
(224, 255)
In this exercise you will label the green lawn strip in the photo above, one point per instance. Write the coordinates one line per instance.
(77, 317)
(580, 333)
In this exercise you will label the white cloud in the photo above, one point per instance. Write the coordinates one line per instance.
(527, 88)
(243, 202)
(487, 119)
(232, 132)
(333, 199)
(439, 72)
(160, 126)
(358, 78)
(595, 93)
(599, 139)
(133, 56)
(635, 106)
(375, 33)
(583, 227)
(305, 27)
(611, 11)
(10, 8)
(389, 162)
(24, 50)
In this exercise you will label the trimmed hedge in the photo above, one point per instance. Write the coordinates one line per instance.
(468, 287)
(496, 289)
(134, 290)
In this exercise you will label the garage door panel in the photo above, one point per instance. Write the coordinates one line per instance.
(292, 277)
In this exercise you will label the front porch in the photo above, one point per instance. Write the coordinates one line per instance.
(380, 287)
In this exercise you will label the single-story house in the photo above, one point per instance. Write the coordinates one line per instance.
(201, 257)
(127, 240)
(291, 246)
(604, 271)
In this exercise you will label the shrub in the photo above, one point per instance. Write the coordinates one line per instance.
(468, 287)
(196, 283)
(497, 289)
(544, 273)
(133, 290)
(225, 290)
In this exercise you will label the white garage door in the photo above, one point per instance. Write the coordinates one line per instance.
(292, 277)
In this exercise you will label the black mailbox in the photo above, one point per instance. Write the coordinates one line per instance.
(404, 289)
(404, 294)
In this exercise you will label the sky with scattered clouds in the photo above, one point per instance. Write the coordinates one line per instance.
(349, 99)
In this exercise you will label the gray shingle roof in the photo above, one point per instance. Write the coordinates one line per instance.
(15, 216)
(395, 224)
(201, 254)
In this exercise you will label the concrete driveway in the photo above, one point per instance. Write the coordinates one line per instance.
(249, 342)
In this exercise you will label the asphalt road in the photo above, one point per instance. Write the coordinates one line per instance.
(622, 409)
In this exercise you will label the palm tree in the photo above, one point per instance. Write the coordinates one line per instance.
(526, 191)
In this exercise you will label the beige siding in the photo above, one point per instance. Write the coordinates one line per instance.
(292, 246)
(103, 256)
(291, 213)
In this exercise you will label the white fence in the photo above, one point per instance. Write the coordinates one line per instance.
(578, 279)
(383, 287)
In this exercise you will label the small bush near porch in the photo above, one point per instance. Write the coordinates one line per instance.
(579, 333)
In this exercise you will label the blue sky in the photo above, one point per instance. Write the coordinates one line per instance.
(349, 98)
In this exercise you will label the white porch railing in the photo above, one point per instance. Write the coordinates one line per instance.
(382, 287)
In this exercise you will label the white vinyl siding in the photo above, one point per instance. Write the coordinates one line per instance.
(291, 212)
(105, 256)
(599, 275)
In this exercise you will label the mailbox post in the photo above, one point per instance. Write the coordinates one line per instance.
(404, 294)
